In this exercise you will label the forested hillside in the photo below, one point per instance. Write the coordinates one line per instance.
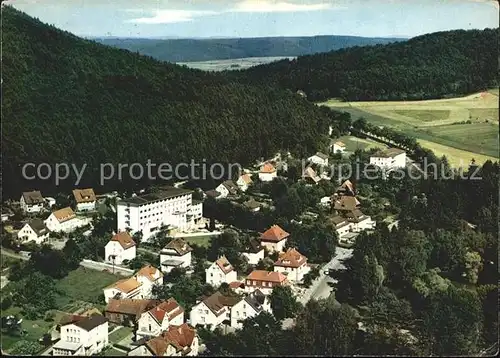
(188, 50)
(429, 66)
(75, 101)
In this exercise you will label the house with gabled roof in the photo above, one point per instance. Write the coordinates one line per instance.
(34, 230)
(213, 310)
(32, 201)
(267, 172)
(227, 188)
(292, 264)
(127, 311)
(338, 147)
(85, 199)
(310, 176)
(64, 220)
(389, 159)
(82, 336)
(274, 238)
(254, 252)
(177, 253)
(158, 319)
(346, 188)
(175, 341)
(319, 159)
(244, 181)
(120, 247)
(264, 281)
(345, 203)
(138, 286)
(250, 306)
(220, 271)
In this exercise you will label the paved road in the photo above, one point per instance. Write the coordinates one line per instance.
(100, 266)
(14, 255)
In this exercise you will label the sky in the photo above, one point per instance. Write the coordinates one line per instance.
(260, 18)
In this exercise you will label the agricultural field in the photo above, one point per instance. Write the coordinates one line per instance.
(352, 143)
(459, 128)
(232, 64)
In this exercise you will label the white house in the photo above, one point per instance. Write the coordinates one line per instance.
(250, 306)
(197, 211)
(264, 281)
(342, 225)
(310, 176)
(138, 286)
(177, 253)
(213, 311)
(267, 172)
(254, 252)
(319, 159)
(50, 201)
(175, 341)
(159, 319)
(227, 188)
(292, 264)
(244, 182)
(121, 247)
(34, 230)
(32, 202)
(274, 238)
(82, 336)
(325, 201)
(85, 199)
(338, 147)
(148, 213)
(64, 220)
(389, 159)
(361, 221)
(220, 271)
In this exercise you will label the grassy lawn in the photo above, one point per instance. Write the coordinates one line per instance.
(203, 241)
(114, 353)
(84, 285)
(425, 116)
(120, 334)
(352, 143)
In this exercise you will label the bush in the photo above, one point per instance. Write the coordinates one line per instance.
(24, 347)
(6, 303)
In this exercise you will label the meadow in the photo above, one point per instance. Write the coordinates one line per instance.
(231, 64)
(459, 128)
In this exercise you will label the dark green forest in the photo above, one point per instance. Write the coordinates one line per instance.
(431, 66)
(187, 50)
(75, 101)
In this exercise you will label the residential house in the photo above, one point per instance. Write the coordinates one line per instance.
(197, 211)
(292, 264)
(126, 312)
(346, 189)
(85, 199)
(213, 311)
(250, 306)
(213, 194)
(310, 176)
(254, 252)
(326, 201)
(361, 221)
(319, 159)
(237, 287)
(252, 205)
(121, 247)
(389, 159)
(64, 220)
(341, 224)
(345, 203)
(175, 341)
(34, 230)
(267, 172)
(244, 181)
(32, 202)
(274, 238)
(6, 214)
(49, 201)
(220, 271)
(177, 253)
(137, 286)
(338, 147)
(82, 336)
(265, 281)
(227, 188)
(159, 319)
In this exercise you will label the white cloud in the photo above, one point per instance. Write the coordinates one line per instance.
(170, 16)
(272, 6)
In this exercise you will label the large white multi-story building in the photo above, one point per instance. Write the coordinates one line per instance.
(148, 213)
(389, 159)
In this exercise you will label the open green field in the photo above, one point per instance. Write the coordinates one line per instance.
(203, 241)
(459, 128)
(79, 290)
(352, 143)
(231, 64)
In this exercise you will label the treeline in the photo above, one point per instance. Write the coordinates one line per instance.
(431, 66)
(68, 100)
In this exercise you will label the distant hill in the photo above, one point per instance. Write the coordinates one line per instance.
(435, 65)
(69, 100)
(191, 50)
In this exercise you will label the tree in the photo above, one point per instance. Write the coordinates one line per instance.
(36, 294)
(284, 303)
(26, 348)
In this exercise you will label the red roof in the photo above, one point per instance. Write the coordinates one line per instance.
(166, 308)
(274, 234)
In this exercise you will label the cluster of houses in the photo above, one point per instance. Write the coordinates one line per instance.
(64, 220)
